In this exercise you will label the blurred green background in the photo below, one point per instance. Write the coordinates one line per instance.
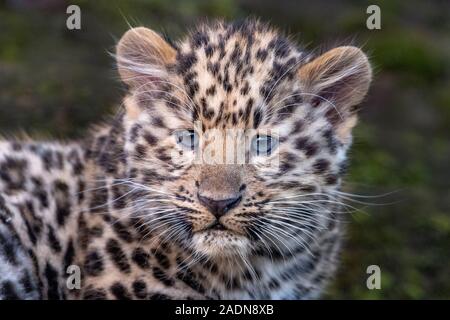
(55, 82)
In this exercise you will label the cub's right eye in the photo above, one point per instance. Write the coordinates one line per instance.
(187, 139)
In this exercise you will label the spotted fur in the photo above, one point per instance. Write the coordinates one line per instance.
(127, 204)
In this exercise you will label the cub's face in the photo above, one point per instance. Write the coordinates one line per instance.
(236, 140)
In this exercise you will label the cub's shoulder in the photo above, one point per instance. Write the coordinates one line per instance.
(25, 162)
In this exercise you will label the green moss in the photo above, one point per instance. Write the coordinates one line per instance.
(441, 222)
(407, 52)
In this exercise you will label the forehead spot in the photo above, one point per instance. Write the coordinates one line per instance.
(186, 61)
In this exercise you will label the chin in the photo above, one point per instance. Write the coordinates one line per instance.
(221, 243)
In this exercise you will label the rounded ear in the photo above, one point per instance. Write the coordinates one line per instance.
(340, 78)
(341, 75)
(143, 56)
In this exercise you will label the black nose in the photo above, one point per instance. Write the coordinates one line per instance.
(219, 207)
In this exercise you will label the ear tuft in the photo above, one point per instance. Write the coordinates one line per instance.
(143, 56)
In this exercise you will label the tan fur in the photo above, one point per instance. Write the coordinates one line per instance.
(141, 47)
(345, 67)
(132, 108)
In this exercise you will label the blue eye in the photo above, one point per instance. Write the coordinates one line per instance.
(187, 139)
(263, 145)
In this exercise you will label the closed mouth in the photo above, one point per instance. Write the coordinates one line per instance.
(217, 226)
(221, 229)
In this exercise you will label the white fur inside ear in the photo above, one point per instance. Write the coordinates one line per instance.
(134, 70)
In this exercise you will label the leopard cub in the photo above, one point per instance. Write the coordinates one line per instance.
(219, 179)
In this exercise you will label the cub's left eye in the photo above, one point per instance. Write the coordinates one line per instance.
(187, 139)
(263, 145)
